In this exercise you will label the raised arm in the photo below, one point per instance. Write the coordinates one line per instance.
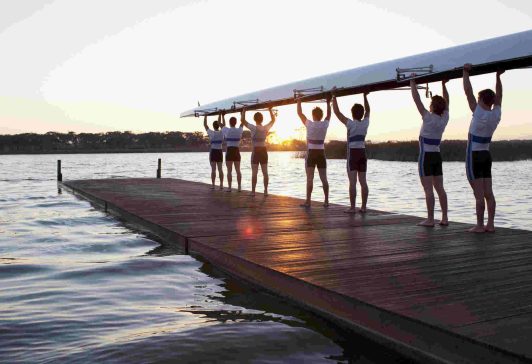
(243, 119)
(417, 99)
(300, 112)
(445, 92)
(328, 116)
(205, 123)
(222, 116)
(272, 116)
(336, 110)
(498, 89)
(468, 89)
(366, 105)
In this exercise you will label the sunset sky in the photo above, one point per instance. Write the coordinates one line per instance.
(91, 66)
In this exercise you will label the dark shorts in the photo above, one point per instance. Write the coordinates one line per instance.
(216, 155)
(232, 154)
(430, 164)
(357, 160)
(316, 158)
(478, 164)
(259, 155)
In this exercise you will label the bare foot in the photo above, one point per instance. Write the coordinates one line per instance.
(363, 210)
(252, 193)
(265, 193)
(326, 204)
(489, 228)
(228, 190)
(426, 223)
(221, 188)
(306, 204)
(351, 210)
(239, 189)
(477, 229)
(212, 187)
(444, 223)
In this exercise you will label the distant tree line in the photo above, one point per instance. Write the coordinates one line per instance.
(451, 150)
(119, 142)
(176, 141)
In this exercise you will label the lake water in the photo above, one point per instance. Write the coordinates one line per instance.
(79, 286)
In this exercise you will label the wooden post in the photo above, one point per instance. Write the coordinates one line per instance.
(59, 174)
(159, 168)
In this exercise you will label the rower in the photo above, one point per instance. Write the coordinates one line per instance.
(215, 152)
(259, 156)
(232, 136)
(315, 157)
(486, 117)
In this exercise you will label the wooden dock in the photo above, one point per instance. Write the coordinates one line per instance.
(435, 295)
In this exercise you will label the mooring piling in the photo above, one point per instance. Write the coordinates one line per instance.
(159, 168)
(59, 174)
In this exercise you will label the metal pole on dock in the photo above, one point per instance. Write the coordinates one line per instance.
(159, 168)
(59, 174)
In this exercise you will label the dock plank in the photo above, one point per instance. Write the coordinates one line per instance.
(437, 294)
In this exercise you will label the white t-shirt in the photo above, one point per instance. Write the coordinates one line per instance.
(232, 135)
(432, 130)
(356, 132)
(259, 134)
(483, 126)
(316, 132)
(216, 138)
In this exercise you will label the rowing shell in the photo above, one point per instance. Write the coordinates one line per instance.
(506, 52)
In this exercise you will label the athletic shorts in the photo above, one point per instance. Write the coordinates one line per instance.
(259, 155)
(478, 165)
(430, 164)
(216, 155)
(232, 154)
(357, 160)
(316, 158)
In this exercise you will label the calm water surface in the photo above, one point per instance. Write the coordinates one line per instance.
(79, 286)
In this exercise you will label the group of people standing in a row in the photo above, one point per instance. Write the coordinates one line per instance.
(486, 117)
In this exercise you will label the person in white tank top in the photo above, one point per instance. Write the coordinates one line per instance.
(232, 136)
(259, 156)
(215, 154)
(434, 122)
(357, 129)
(486, 117)
(316, 132)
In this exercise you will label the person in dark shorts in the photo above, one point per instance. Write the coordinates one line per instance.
(430, 162)
(215, 153)
(486, 117)
(232, 136)
(357, 162)
(259, 156)
(316, 132)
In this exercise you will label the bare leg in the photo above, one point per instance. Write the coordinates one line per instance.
(478, 190)
(426, 182)
(442, 196)
(310, 185)
(213, 174)
(238, 176)
(491, 203)
(264, 168)
(221, 174)
(229, 165)
(352, 191)
(323, 176)
(364, 189)
(254, 172)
